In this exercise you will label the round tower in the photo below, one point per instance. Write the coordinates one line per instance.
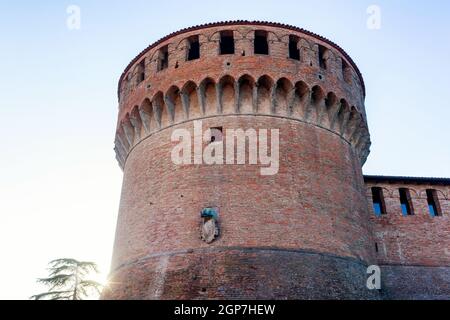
(227, 231)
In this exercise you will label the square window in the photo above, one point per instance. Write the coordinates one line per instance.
(216, 134)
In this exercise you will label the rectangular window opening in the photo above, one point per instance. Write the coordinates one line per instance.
(322, 60)
(193, 48)
(433, 203)
(261, 44)
(227, 42)
(379, 206)
(216, 134)
(294, 51)
(141, 75)
(406, 203)
(163, 59)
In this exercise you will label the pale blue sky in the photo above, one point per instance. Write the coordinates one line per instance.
(59, 182)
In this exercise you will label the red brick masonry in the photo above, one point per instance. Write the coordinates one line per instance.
(304, 233)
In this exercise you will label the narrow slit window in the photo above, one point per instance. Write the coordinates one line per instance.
(227, 42)
(294, 51)
(141, 74)
(433, 203)
(216, 134)
(261, 44)
(163, 59)
(379, 206)
(322, 57)
(193, 48)
(405, 201)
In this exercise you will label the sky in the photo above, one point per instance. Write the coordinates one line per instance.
(59, 181)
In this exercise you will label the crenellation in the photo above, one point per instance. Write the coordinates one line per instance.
(209, 47)
(309, 231)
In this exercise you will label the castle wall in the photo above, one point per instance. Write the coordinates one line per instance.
(413, 250)
(307, 232)
(276, 64)
(282, 236)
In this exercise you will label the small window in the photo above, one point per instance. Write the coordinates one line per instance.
(379, 206)
(163, 58)
(193, 52)
(346, 71)
(125, 82)
(261, 44)
(433, 203)
(226, 42)
(216, 134)
(322, 57)
(141, 71)
(294, 51)
(405, 201)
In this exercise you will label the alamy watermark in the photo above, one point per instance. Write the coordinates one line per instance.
(374, 280)
(73, 21)
(209, 147)
(374, 19)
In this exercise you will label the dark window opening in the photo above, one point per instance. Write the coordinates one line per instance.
(261, 44)
(322, 60)
(163, 59)
(346, 72)
(294, 51)
(376, 247)
(433, 203)
(193, 48)
(216, 134)
(141, 75)
(405, 201)
(226, 42)
(379, 206)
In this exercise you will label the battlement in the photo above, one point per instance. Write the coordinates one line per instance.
(411, 219)
(226, 231)
(314, 50)
(242, 68)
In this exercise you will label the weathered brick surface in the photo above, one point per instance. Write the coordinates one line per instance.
(413, 240)
(415, 250)
(242, 273)
(404, 282)
(303, 233)
(161, 204)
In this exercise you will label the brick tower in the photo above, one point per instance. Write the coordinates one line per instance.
(301, 233)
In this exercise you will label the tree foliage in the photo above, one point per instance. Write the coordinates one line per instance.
(67, 280)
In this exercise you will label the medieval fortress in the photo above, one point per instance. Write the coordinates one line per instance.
(223, 230)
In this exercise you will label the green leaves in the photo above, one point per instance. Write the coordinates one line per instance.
(54, 295)
(67, 280)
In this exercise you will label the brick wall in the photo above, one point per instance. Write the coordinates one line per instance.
(159, 221)
(308, 231)
(415, 250)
